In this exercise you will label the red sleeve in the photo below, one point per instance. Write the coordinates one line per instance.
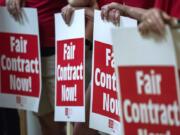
(162, 4)
(171, 7)
(140, 3)
(104, 2)
(2, 2)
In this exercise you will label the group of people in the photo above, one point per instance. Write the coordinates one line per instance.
(152, 16)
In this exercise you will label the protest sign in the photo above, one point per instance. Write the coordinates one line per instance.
(70, 56)
(148, 82)
(105, 106)
(20, 72)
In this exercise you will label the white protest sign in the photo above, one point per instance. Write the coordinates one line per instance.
(70, 56)
(105, 109)
(20, 72)
(148, 82)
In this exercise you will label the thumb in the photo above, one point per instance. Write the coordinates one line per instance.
(166, 17)
(169, 20)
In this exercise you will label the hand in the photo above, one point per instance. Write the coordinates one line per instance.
(14, 8)
(67, 12)
(111, 12)
(154, 20)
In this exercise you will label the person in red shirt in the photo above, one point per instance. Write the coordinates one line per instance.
(46, 10)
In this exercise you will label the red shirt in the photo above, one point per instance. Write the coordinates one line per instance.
(46, 10)
(139, 3)
(2, 2)
(135, 3)
(172, 7)
(104, 2)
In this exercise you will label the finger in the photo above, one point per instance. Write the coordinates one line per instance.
(14, 9)
(140, 27)
(10, 7)
(174, 23)
(153, 25)
(143, 28)
(105, 12)
(117, 17)
(102, 13)
(20, 17)
(153, 21)
(111, 16)
(159, 19)
(166, 17)
(169, 20)
(17, 6)
(114, 16)
(16, 13)
(89, 14)
(69, 13)
(63, 16)
(157, 25)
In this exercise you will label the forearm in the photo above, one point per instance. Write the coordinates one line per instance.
(78, 3)
(133, 12)
(21, 1)
(89, 30)
(89, 10)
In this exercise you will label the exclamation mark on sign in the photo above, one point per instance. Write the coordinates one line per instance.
(75, 93)
(30, 84)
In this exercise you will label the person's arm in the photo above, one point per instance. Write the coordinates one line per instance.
(68, 10)
(113, 11)
(14, 8)
(133, 12)
(89, 12)
(150, 20)
(78, 3)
